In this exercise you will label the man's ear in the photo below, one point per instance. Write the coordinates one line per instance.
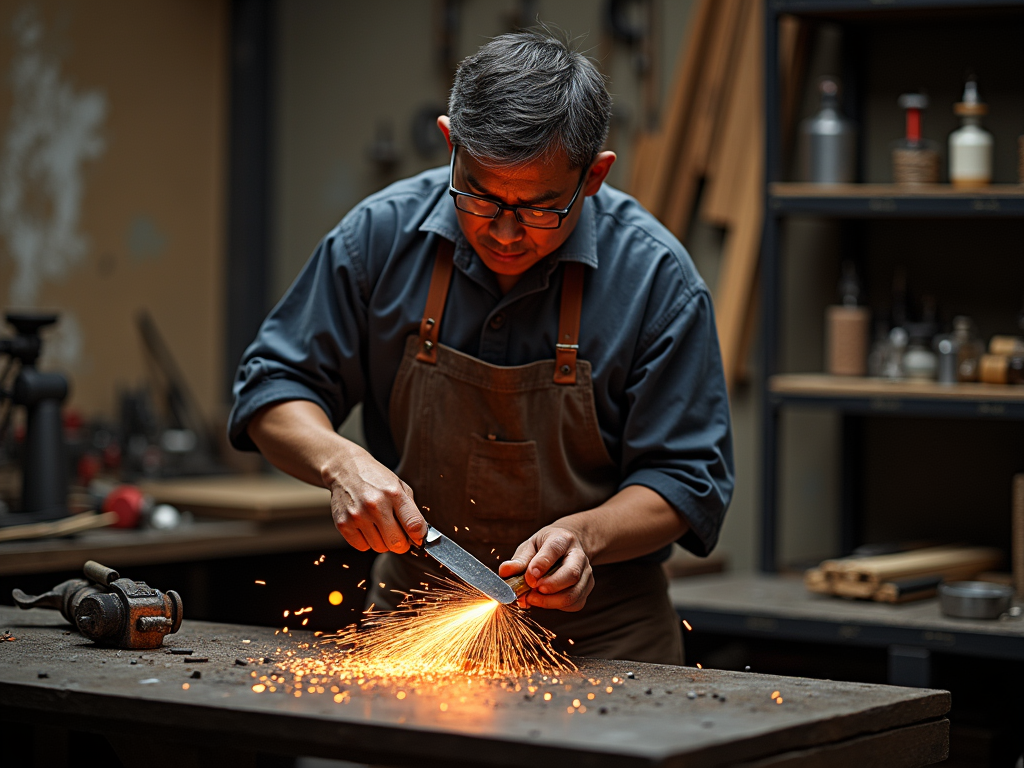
(446, 129)
(598, 172)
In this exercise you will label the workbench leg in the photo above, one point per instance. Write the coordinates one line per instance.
(910, 666)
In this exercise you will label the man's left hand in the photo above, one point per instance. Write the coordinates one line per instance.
(557, 569)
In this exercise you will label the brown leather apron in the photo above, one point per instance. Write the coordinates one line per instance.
(494, 453)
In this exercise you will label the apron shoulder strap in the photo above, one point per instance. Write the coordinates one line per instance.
(569, 324)
(430, 325)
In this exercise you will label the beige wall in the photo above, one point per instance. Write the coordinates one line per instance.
(112, 157)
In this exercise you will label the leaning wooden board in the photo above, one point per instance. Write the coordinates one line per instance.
(648, 720)
(242, 497)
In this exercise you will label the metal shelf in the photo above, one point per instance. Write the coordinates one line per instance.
(885, 7)
(893, 200)
(880, 397)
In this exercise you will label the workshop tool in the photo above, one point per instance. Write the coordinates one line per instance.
(914, 160)
(470, 570)
(975, 599)
(44, 488)
(970, 145)
(110, 610)
(828, 141)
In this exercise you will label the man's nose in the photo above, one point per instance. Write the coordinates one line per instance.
(505, 227)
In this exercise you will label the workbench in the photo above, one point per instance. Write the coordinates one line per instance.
(239, 515)
(765, 606)
(155, 709)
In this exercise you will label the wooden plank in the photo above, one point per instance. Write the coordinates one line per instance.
(824, 385)
(733, 152)
(64, 527)
(678, 207)
(242, 497)
(652, 173)
(922, 744)
(647, 720)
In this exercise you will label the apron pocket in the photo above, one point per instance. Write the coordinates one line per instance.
(503, 490)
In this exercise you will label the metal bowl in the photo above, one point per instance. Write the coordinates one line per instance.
(974, 599)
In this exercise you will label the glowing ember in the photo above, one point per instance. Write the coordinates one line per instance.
(334, 598)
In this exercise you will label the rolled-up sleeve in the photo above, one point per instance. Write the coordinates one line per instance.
(310, 346)
(677, 437)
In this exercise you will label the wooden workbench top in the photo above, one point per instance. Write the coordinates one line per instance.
(662, 715)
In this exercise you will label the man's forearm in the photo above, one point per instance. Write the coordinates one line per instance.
(297, 437)
(636, 521)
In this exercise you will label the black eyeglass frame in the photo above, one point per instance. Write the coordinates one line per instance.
(560, 212)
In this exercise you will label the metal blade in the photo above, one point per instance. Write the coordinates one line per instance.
(466, 567)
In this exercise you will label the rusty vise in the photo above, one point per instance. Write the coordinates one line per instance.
(110, 610)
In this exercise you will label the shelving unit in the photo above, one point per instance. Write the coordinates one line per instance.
(859, 398)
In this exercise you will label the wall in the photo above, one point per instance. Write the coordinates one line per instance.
(111, 194)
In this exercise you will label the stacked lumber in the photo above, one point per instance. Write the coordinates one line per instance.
(712, 132)
(901, 576)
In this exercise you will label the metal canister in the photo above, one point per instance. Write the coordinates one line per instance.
(828, 141)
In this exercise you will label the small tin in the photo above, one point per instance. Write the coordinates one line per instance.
(974, 599)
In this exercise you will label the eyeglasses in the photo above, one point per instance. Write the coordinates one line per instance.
(527, 215)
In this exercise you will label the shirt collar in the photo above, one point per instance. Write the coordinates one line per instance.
(581, 245)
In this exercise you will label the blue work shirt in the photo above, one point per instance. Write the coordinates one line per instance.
(647, 327)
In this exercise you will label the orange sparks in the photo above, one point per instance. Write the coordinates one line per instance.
(687, 624)
(361, 583)
(261, 582)
(343, 565)
(335, 598)
(305, 621)
(778, 700)
(286, 613)
(699, 666)
(184, 686)
(259, 688)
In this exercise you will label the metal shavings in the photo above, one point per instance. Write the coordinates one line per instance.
(181, 651)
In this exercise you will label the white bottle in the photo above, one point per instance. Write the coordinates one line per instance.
(970, 145)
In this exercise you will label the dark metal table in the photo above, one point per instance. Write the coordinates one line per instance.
(670, 716)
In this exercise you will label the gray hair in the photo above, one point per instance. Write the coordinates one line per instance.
(527, 95)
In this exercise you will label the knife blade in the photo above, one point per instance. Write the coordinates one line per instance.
(466, 567)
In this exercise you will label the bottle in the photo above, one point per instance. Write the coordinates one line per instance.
(828, 140)
(970, 145)
(915, 160)
(847, 327)
(968, 348)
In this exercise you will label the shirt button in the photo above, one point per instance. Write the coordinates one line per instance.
(497, 321)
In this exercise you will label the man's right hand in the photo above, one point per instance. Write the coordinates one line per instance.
(371, 506)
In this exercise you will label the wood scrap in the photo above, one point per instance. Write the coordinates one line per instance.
(901, 576)
(63, 527)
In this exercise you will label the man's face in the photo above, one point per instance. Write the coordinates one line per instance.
(506, 246)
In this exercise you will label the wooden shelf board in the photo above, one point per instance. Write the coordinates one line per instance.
(902, 191)
(826, 386)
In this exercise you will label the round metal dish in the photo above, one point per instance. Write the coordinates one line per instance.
(974, 599)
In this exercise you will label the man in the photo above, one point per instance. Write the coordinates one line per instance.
(536, 357)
